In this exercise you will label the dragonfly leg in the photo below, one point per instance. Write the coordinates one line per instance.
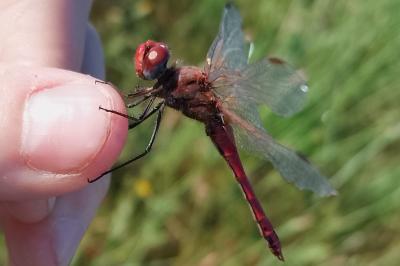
(159, 111)
(148, 106)
(137, 90)
(104, 82)
(120, 114)
(144, 92)
(145, 115)
(131, 105)
(142, 117)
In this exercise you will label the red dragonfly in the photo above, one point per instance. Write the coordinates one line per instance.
(225, 96)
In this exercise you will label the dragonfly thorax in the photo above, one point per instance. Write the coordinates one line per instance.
(186, 89)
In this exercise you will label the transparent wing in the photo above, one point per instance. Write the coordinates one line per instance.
(228, 50)
(242, 87)
(270, 81)
(293, 168)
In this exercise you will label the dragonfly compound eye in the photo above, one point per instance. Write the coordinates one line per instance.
(151, 59)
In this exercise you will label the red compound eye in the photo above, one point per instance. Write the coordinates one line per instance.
(151, 59)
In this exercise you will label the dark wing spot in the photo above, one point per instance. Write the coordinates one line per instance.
(303, 156)
(276, 61)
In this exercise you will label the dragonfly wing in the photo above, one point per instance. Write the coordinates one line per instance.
(242, 87)
(228, 49)
(293, 167)
(268, 82)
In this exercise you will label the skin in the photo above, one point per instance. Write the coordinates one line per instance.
(53, 137)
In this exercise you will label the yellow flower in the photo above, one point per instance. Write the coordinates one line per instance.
(143, 188)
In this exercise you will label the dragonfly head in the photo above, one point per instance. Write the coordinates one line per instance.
(151, 59)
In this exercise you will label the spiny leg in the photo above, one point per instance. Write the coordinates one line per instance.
(138, 92)
(135, 120)
(142, 116)
(146, 110)
(131, 105)
(159, 111)
(106, 83)
(143, 92)
(129, 95)
(103, 82)
(145, 116)
(120, 114)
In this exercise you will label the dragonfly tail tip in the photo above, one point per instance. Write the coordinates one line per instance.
(280, 256)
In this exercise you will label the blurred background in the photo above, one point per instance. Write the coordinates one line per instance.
(180, 205)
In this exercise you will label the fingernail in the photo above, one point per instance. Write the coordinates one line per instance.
(63, 128)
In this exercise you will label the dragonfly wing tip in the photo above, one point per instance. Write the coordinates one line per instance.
(327, 192)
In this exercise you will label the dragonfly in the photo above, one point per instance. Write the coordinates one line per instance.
(225, 96)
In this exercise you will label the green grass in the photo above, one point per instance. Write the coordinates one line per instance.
(180, 205)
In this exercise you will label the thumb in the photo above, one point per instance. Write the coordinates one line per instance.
(53, 137)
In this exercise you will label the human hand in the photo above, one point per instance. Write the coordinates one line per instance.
(53, 137)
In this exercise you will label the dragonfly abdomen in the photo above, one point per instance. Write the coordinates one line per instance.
(222, 137)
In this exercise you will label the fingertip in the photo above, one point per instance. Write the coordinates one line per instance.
(64, 138)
